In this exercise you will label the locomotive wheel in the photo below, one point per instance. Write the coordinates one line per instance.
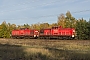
(41, 37)
(60, 38)
(48, 37)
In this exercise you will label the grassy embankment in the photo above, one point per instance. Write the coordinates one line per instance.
(44, 49)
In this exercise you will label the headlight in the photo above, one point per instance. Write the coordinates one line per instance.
(72, 35)
(34, 35)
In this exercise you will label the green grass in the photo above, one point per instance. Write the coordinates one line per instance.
(32, 49)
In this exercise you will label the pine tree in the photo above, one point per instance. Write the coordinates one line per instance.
(81, 28)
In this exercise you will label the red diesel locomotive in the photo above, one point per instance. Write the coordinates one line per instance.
(25, 33)
(54, 32)
(57, 32)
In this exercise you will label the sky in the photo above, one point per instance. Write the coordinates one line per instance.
(41, 11)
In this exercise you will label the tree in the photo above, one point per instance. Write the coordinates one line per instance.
(6, 29)
(66, 21)
(3, 31)
(61, 20)
(81, 28)
(88, 26)
(26, 26)
(10, 27)
(44, 25)
(70, 20)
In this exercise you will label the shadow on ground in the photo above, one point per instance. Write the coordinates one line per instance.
(59, 54)
(11, 52)
(16, 52)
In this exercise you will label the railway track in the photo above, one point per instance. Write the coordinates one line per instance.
(42, 40)
(30, 38)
